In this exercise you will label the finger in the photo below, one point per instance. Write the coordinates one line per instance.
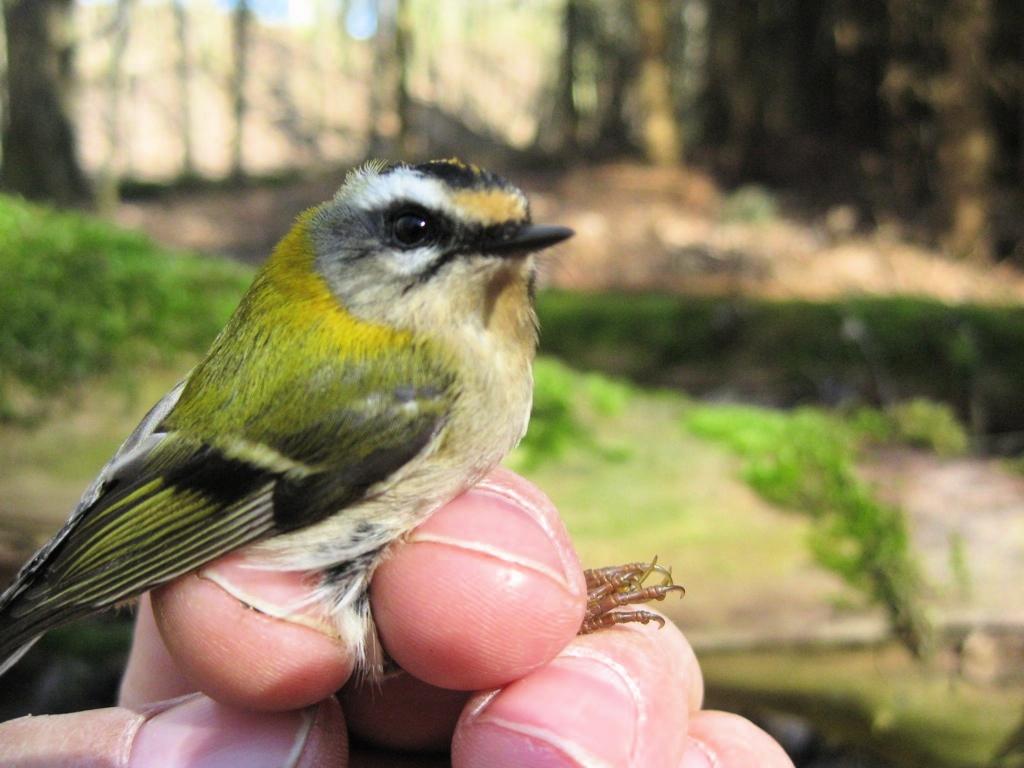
(248, 658)
(151, 673)
(616, 697)
(275, 657)
(723, 740)
(193, 732)
(402, 713)
(485, 591)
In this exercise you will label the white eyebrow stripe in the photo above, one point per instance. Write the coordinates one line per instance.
(370, 192)
(403, 184)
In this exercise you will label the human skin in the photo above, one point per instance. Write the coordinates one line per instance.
(480, 607)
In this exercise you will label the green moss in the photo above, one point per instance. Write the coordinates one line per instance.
(565, 403)
(866, 350)
(80, 296)
(675, 496)
(805, 460)
(925, 424)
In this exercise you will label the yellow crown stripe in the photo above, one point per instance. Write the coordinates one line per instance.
(489, 206)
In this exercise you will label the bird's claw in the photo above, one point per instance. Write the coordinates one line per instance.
(612, 587)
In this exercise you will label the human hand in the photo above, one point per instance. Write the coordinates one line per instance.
(487, 596)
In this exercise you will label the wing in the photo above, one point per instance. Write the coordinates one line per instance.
(123, 463)
(173, 498)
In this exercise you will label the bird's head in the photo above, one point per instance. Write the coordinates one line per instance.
(423, 246)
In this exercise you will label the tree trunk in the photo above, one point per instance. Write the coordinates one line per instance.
(403, 49)
(965, 133)
(241, 23)
(389, 113)
(382, 87)
(734, 100)
(568, 118)
(183, 72)
(107, 185)
(906, 81)
(662, 143)
(39, 154)
(612, 131)
(612, 35)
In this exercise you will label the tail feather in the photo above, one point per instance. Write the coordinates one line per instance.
(13, 657)
(20, 630)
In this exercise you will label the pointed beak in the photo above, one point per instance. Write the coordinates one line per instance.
(529, 238)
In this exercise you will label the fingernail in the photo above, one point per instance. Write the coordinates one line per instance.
(526, 533)
(698, 755)
(197, 732)
(285, 595)
(590, 715)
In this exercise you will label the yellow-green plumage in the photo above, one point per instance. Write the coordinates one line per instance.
(290, 360)
(378, 365)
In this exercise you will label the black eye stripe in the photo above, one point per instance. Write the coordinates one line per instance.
(438, 229)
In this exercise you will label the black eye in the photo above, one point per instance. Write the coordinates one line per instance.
(413, 228)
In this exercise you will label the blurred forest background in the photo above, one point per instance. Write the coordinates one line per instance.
(785, 351)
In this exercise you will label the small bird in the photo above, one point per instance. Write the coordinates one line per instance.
(379, 365)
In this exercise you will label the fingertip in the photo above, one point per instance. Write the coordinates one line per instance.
(59, 741)
(189, 732)
(616, 697)
(197, 731)
(725, 740)
(485, 591)
(243, 656)
(151, 673)
(681, 660)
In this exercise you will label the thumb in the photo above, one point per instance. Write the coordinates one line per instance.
(190, 732)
